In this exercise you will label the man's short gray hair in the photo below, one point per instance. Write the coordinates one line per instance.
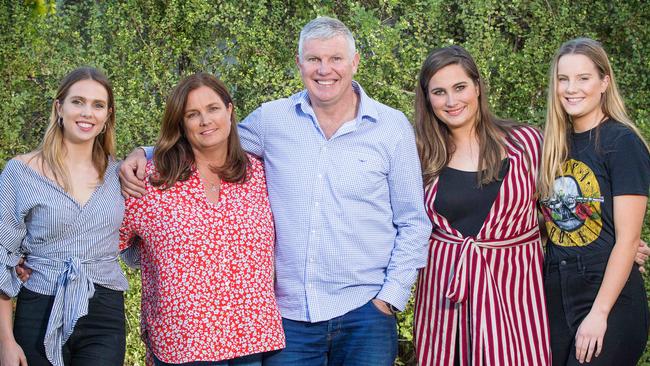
(325, 28)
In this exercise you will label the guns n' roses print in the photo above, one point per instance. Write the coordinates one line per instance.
(607, 161)
(572, 214)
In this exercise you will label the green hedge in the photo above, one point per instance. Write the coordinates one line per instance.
(146, 45)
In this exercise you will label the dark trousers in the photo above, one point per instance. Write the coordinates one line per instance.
(98, 339)
(571, 286)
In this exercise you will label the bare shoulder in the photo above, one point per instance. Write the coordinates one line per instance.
(31, 158)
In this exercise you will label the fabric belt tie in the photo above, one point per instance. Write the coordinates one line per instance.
(459, 288)
(73, 290)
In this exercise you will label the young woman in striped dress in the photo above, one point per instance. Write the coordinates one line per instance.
(480, 298)
(594, 190)
(61, 208)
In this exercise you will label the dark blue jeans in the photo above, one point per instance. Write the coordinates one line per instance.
(571, 286)
(362, 337)
(250, 360)
(98, 339)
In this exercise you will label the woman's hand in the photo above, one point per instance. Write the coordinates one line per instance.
(589, 339)
(11, 354)
(22, 271)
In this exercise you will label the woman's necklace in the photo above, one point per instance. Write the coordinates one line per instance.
(212, 187)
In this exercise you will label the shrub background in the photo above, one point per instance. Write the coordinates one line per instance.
(146, 46)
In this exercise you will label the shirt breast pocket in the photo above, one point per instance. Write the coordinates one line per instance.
(358, 175)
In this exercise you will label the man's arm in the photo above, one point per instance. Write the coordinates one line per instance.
(409, 216)
(251, 133)
(132, 172)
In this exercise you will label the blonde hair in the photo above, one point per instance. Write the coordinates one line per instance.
(558, 123)
(52, 150)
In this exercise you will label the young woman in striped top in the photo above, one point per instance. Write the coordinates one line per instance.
(594, 191)
(61, 208)
(480, 298)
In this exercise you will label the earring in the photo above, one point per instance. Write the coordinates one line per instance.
(103, 129)
(60, 122)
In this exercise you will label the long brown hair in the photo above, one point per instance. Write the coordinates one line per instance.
(435, 145)
(52, 150)
(173, 156)
(559, 126)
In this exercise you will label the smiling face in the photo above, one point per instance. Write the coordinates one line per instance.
(453, 96)
(84, 111)
(207, 121)
(327, 68)
(579, 89)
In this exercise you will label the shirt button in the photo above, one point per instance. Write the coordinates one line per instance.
(316, 204)
(311, 260)
(320, 176)
(563, 263)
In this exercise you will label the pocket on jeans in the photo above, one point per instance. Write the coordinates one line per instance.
(633, 292)
(26, 296)
(593, 277)
(377, 309)
(594, 273)
(109, 299)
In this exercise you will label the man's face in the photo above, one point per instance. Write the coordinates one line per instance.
(326, 69)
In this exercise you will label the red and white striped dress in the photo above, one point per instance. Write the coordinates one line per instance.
(488, 290)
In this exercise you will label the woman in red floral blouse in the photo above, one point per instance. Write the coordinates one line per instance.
(205, 232)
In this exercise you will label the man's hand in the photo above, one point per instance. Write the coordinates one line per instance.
(382, 306)
(132, 173)
(642, 253)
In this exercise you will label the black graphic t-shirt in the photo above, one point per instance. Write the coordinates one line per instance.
(609, 160)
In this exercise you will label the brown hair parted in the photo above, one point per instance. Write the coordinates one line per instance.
(558, 123)
(52, 150)
(434, 142)
(173, 156)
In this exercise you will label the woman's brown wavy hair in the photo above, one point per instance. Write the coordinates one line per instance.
(173, 157)
(433, 137)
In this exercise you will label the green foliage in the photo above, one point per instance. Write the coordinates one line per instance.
(145, 46)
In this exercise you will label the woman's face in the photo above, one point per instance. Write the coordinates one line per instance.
(84, 111)
(207, 120)
(579, 88)
(454, 97)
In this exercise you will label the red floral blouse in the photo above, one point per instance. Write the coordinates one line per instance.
(207, 269)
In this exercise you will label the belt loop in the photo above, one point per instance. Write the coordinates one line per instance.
(580, 263)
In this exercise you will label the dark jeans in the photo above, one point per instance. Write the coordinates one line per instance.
(362, 337)
(571, 287)
(250, 360)
(98, 339)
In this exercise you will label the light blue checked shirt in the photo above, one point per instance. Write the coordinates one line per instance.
(349, 211)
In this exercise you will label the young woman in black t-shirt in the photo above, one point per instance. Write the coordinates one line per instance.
(593, 190)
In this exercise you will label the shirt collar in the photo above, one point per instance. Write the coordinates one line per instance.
(367, 107)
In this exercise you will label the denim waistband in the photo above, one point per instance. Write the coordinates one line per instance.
(577, 261)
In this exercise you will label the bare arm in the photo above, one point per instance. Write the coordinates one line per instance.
(628, 220)
(10, 352)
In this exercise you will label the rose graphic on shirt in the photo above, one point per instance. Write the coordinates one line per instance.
(572, 214)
